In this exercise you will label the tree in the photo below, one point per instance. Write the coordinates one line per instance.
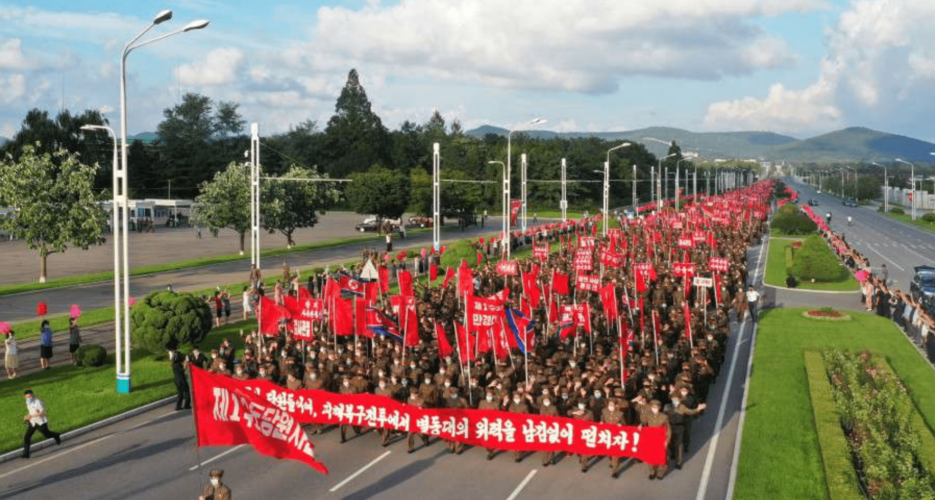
(290, 205)
(225, 202)
(165, 319)
(379, 191)
(53, 201)
(196, 139)
(420, 194)
(355, 138)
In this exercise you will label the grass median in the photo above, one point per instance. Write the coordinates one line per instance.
(778, 266)
(780, 457)
(75, 396)
(907, 218)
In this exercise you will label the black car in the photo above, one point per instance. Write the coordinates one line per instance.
(812, 202)
(922, 287)
(369, 224)
(850, 202)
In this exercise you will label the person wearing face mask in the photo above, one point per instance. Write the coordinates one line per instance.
(347, 388)
(383, 389)
(454, 401)
(679, 418)
(613, 415)
(656, 418)
(36, 420)
(489, 403)
(518, 406)
(581, 412)
(215, 490)
(416, 400)
(184, 397)
(547, 409)
(428, 393)
(240, 373)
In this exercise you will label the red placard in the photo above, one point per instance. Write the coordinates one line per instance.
(686, 243)
(720, 264)
(584, 261)
(507, 268)
(611, 259)
(589, 283)
(683, 269)
(541, 252)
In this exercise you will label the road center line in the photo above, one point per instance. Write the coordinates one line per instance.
(522, 485)
(916, 253)
(208, 461)
(712, 448)
(57, 455)
(885, 257)
(359, 472)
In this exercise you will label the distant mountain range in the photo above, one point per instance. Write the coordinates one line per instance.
(855, 144)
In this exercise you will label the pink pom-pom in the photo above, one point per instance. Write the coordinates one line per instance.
(132, 301)
(5, 328)
(41, 309)
(75, 311)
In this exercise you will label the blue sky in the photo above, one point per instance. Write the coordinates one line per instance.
(799, 67)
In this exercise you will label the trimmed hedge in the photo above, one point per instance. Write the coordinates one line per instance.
(815, 261)
(91, 355)
(840, 476)
(897, 211)
(793, 222)
(929, 217)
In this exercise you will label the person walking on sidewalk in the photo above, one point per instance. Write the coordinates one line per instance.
(752, 298)
(45, 345)
(36, 420)
(11, 356)
(74, 339)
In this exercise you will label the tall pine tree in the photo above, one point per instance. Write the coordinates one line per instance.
(355, 138)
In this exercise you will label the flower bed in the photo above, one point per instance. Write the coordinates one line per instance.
(876, 414)
(826, 314)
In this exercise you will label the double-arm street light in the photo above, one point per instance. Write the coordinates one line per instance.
(504, 215)
(659, 182)
(121, 197)
(607, 186)
(912, 178)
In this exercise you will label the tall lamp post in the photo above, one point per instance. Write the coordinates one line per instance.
(564, 203)
(123, 378)
(659, 182)
(607, 186)
(505, 215)
(509, 169)
(886, 187)
(912, 178)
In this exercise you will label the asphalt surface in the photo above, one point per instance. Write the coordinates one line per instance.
(21, 307)
(152, 457)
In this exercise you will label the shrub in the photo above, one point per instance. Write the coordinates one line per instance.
(929, 217)
(794, 222)
(91, 355)
(897, 211)
(815, 261)
(788, 209)
(880, 209)
(168, 318)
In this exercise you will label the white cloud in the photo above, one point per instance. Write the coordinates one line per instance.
(8, 130)
(12, 88)
(550, 44)
(220, 67)
(11, 55)
(878, 72)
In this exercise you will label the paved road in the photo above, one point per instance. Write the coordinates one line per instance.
(882, 240)
(150, 456)
(21, 307)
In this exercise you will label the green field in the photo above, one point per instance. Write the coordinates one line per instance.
(780, 456)
(776, 266)
(75, 396)
(907, 218)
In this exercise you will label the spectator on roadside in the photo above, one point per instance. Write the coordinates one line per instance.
(74, 339)
(216, 490)
(45, 344)
(36, 420)
(226, 301)
(247, 296)
(218, 308)
(11, 355)
(752, 298)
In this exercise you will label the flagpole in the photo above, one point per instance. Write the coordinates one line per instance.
(623, 383)
(655, 335)
(195, 424)
(404, 310)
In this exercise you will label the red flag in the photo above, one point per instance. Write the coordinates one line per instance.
(640, 282)
(583, 313)
(360, 317)
(480, 258)
(450, 273)
(444, 348)
(553, 311)
(342, 313)
(384, 279)
(568, 322)
(412, 323)
(465, 343)
(270, 316)
(609, 299)
(484, 313)
(531, 289)
(371, 291)
(227, 415)
(401, 255)
(433, 271)
(560, 283)
(405, 283)
(465, 279)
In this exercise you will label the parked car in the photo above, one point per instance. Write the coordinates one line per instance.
(812, 202)
(368, 224)
(850, 202)
(922, 286)
(421, 221)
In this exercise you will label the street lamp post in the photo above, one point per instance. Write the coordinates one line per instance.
(563, 205)
(506, 182)
(505, 222)
(633, 187)
(659, 182)
(912, 178)
(607, 186)
(522, 182)
(123, 379)
(886, 188)
(436, 197)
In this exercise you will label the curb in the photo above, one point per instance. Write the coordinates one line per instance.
(6, 457)
(800, 290)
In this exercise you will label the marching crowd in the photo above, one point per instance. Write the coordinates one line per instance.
(653, 367)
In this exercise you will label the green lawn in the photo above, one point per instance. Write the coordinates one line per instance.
(75, 397)
(776, 266)
(907, 218)
(780, 456)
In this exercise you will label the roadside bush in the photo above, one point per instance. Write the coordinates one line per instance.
(169, 318)
(91, 355)
(815, 261)
(880, 209)
(897, 211)
(876, 414)
(929, 217)
(788, 209)
(793, 222)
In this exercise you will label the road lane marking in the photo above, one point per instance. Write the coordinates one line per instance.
(522, 485)
(885, 257)
(57, 455)
(918, 254)
(743, 416)
(359, 472)
(208, 461)
(712, 448)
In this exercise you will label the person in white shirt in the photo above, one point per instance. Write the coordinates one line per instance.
(752, 298)
(247, 295)
(36, 420)
(11, 356)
